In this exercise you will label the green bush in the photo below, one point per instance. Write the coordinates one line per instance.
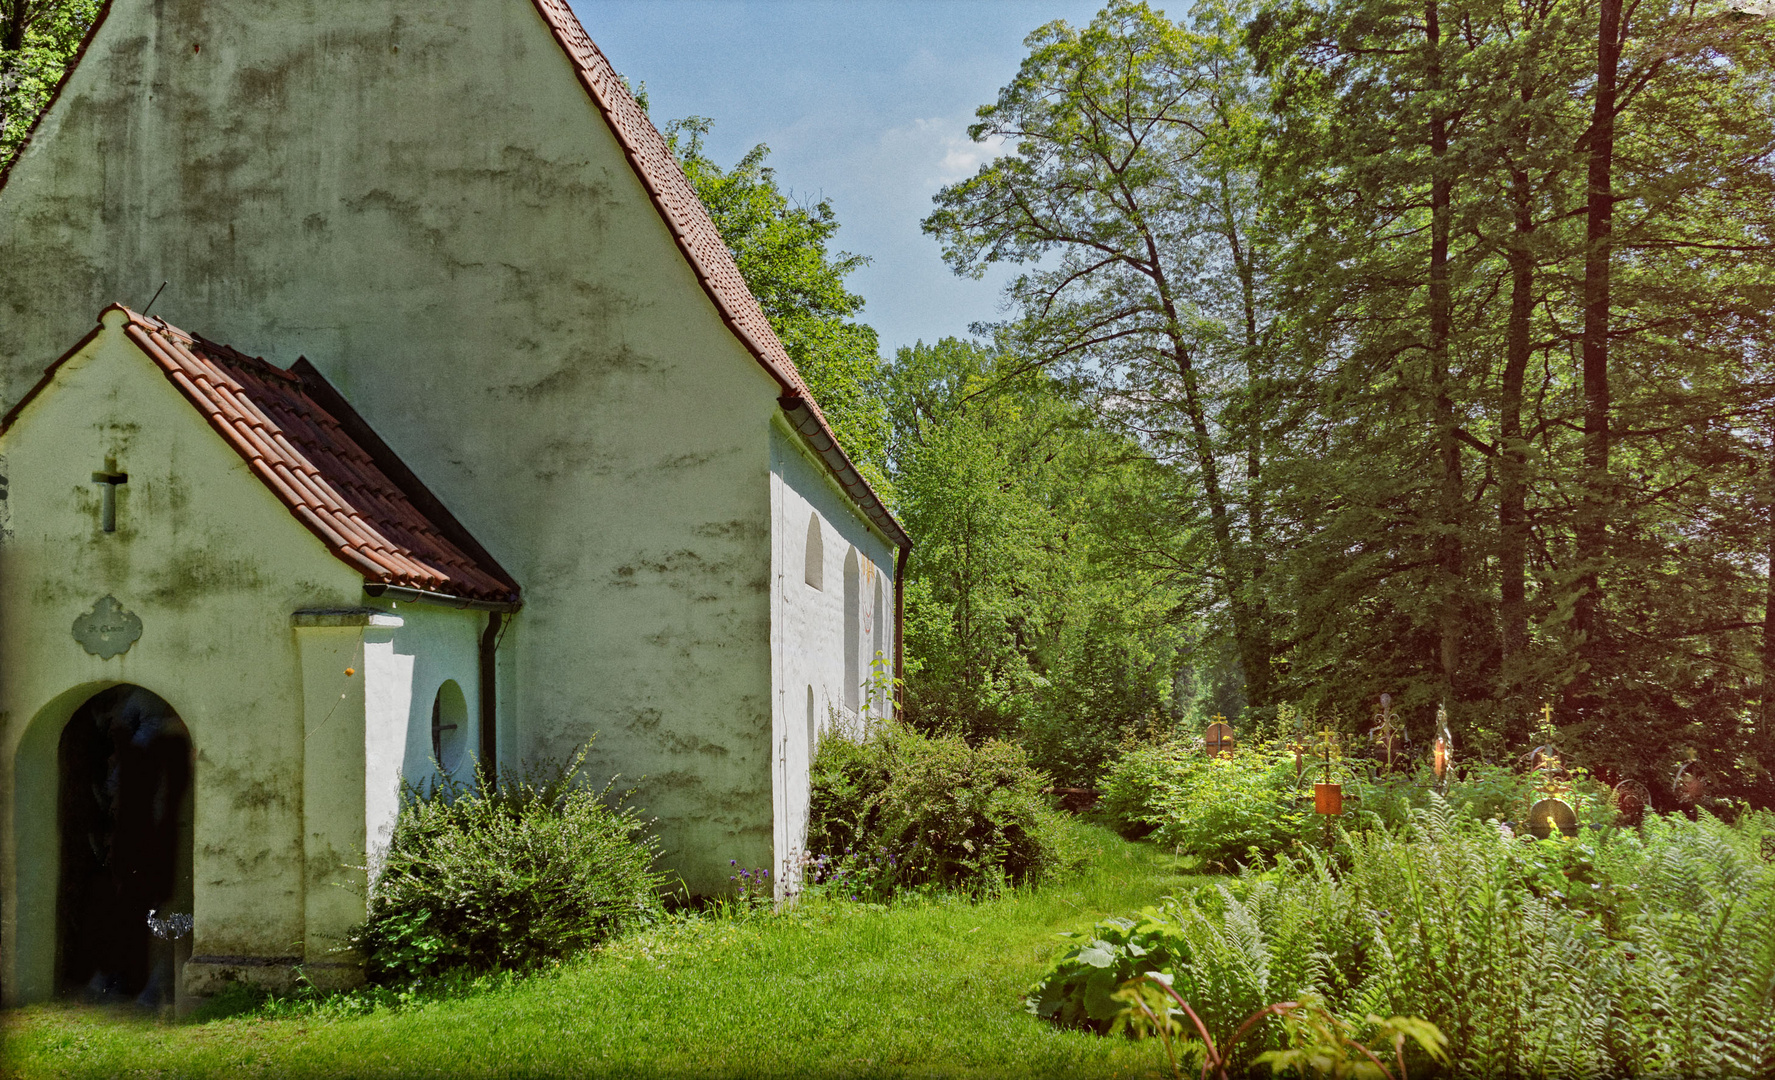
(1619, 953)
(1222, 810)
(901, 810)
(1215, 808)
(506, 875)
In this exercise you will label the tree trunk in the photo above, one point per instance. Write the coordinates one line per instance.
(1254, 652)
(1591, 532)
(1769, 602)
(18, 19)
(1513, 451)
(1447, 544)
(1254, 655)
(1256, 517)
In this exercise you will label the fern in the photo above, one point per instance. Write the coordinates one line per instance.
(1625, 954)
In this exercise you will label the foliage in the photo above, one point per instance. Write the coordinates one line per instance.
(1132, 214)
(1328, 265)
(1317, 1042)
(1036, 609)
(38, 40)
(1218, 809)
(1227, 810)
(1646, 953)
(506, 874)
(900, 810)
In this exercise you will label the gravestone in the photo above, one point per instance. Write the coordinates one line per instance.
(1218, 739)
(1550, 814)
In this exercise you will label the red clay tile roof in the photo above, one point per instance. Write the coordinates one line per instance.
(328, 480)
(701, 243)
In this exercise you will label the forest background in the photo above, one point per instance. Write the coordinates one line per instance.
(1357, 346)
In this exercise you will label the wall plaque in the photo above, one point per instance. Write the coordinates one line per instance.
(107, 630)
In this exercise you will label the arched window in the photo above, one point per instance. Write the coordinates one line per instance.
(449, 727)
(814, 573)
(879, 671)
(853, 618)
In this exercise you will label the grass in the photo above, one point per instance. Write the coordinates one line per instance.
(928, 988)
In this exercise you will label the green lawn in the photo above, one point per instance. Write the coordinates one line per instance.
(828, 990)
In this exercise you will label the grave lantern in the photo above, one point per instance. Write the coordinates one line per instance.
(1328, 796)
(1442, 750)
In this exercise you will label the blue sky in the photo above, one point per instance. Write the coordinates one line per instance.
(865, 103)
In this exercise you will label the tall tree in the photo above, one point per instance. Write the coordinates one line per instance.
(1126, 216)
(1591, 530)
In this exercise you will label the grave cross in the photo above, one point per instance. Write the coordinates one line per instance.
(110, 477)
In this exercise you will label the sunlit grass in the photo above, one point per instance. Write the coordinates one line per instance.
(930, 988)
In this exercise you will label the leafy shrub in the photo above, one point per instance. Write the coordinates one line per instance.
(506, 875)
(1223, 809)
(899, 810)
(1621, 953)
(1214, 808)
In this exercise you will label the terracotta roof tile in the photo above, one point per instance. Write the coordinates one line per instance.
(697, 237)
(302, 451)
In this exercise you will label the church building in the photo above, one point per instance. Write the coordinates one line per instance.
(454, 437)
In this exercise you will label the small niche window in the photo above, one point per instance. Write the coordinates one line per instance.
(449, 727)
(814, 572)
(853, 632)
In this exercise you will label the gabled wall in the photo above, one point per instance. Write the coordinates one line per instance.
(306, 708)
(421, 199)
(213, 565)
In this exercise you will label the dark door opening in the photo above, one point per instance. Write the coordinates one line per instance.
(125, 816)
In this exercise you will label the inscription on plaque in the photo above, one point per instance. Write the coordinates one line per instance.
(107, 630)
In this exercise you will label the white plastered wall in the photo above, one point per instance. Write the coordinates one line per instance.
(808, 630)
(367, 734)
(213, 565)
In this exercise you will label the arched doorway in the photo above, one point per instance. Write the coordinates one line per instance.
(124, 785)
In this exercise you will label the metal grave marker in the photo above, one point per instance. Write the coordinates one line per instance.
(1629, 801)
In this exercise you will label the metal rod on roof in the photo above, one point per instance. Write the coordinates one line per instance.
(422, 596)
(156, 296)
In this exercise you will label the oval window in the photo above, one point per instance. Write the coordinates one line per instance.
(449, 727)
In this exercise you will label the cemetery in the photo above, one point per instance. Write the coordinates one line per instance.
(477, 600)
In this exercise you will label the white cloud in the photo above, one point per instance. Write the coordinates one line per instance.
(932, 151)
